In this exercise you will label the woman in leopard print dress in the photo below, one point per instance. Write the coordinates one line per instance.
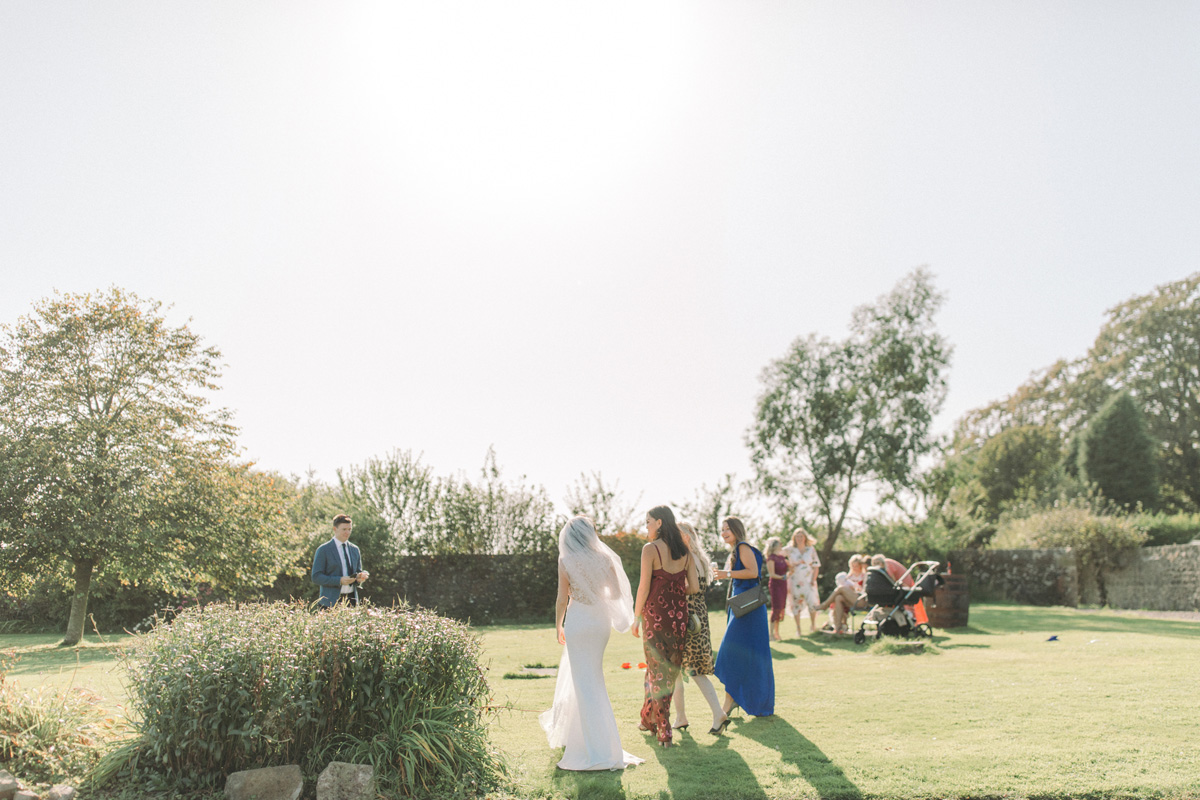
(697, 650)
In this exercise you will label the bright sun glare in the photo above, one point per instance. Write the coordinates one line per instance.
(526, 106)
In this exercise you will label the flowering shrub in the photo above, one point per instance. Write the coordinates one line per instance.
(225, 688)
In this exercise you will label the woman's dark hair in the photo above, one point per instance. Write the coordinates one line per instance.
(735, 525)
(669, 532)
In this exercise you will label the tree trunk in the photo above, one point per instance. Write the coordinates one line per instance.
(83, 585)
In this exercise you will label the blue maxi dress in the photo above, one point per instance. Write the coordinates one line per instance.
(744, 660)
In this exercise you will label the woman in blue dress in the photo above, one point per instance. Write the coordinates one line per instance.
(744, 660)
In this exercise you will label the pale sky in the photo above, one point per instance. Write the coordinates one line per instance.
(578, 232)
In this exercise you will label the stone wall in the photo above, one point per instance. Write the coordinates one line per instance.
(1165, 578)
(1029, 577)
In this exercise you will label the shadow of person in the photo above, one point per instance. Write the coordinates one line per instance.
(604, 784)
(692, 764)
(794, 748)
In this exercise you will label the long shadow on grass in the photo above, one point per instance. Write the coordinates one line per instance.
(821, 644)
(52, 659)
(813, 765)
(708, 769)
(602, 785)
(1058, 620)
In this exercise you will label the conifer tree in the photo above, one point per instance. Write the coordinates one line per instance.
(1118, 455)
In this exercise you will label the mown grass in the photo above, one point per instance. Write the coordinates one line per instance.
(1107, 711)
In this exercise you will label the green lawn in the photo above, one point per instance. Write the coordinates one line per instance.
(1108, 711)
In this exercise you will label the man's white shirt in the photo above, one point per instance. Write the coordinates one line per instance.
(348, 589)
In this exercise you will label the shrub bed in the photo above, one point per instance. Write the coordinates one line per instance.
(49, 736)
(225, 688)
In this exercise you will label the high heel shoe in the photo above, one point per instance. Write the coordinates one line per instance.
(717, 731)
(682, 727)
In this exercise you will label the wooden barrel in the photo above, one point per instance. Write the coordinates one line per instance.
(951, 603)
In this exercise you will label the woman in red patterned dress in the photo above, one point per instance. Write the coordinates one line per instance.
(668, 577)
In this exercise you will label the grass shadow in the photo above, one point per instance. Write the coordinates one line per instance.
(777, 655)
(600, 784)
(826, 644)
(811, 763)
(49, 658)
(707, 768)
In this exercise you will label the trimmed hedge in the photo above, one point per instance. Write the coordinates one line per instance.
(226, 688)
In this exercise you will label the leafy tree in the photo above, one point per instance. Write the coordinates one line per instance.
(835, 417)
(428, 515)
(1117, 454)
(1015, 462)
(112, 460)
(1149, 347)
(602, 504)
(708, 506)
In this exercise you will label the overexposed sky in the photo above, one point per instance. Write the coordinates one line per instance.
(578, 232)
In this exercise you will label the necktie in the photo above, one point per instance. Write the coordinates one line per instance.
(346, 553)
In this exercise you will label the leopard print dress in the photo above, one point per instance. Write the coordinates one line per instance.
(697, 648)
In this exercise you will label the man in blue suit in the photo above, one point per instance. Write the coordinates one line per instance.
(337, 566)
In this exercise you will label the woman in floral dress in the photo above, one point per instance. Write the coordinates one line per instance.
(668, 576)
(804, 568)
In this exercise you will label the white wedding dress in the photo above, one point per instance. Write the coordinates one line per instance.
(581, 719)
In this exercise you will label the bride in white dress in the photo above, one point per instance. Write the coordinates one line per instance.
(581, 720)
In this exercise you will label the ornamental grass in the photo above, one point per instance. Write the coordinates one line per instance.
(229, 688)
(49, 736)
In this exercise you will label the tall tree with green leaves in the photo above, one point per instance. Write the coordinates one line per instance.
(1117, 454)
(603, 504)
(835, 417)
(1016, 462)
(1150, 347)
(113, 460)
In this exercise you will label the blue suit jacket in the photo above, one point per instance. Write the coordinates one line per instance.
(327, 571)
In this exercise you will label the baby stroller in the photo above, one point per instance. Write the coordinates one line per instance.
(888, 598)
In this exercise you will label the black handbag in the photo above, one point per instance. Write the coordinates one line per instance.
(745, 602)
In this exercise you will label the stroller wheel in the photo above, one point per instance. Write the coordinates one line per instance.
(860, 636)
(923, 631)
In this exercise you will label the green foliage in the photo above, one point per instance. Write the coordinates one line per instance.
(1149, 347)
(628, 546)
(889, 646)
(429, 515)
(908, 541)
(602, 504)
(226, 689)
(1017, 462)
(836, 416)
(1117, 454)
(729, 498)
(50, 736)
(1164, 529)
(1098, 539)
(112, 461)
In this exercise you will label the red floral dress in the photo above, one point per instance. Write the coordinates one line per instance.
(664, 631)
